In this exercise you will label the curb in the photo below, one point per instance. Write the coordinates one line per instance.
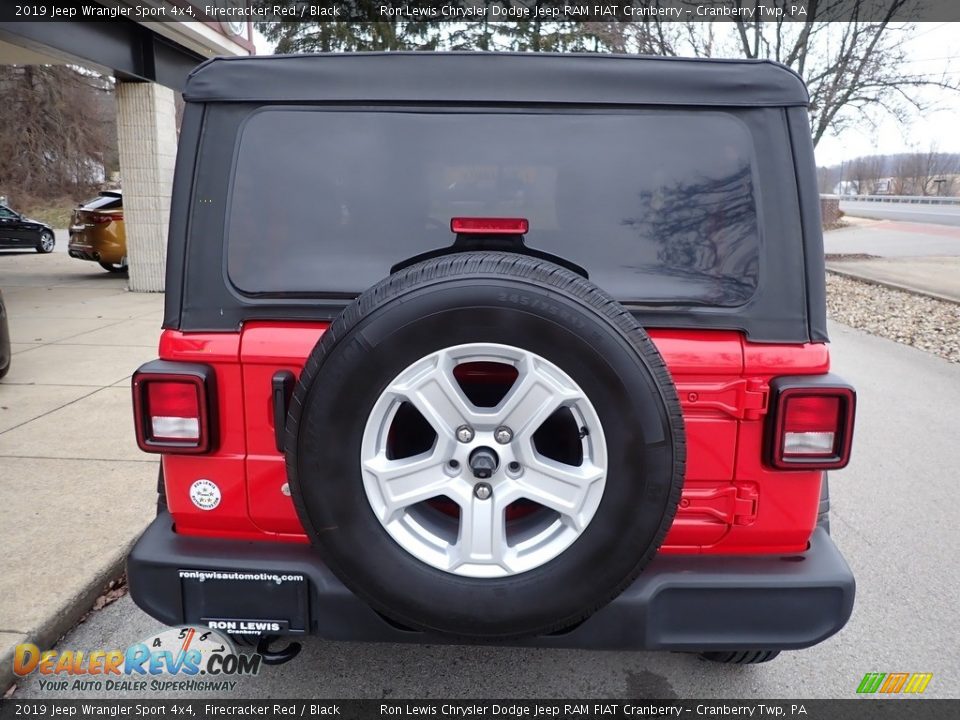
(65, 617)
(892, 285)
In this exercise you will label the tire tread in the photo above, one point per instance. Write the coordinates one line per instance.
(740, 657)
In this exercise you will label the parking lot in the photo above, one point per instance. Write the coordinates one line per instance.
(892, 517)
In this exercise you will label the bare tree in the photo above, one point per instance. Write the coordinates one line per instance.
(865, 172)
(850, 53)
(57, 130)
(295, 36)
(827, 179)
(926, 173)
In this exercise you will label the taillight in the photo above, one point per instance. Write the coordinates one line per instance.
(489, 226)
(172, 405)
(173, 409)
(812, 423)
(103, 218)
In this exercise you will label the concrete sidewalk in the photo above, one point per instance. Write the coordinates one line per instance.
(75, 490)
(890, 238)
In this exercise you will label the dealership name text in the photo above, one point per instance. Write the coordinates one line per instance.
(587, 709)
(495, 12)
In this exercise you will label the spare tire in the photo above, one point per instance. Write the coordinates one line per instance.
(485, 445)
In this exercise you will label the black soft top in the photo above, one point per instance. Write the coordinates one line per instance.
(497, 78)
(769, 100)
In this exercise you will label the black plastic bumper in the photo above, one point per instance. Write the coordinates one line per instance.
(84, 255)
(689, 602)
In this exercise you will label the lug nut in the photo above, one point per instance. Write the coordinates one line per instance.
(503, 435)
(482, 491)
(453, 465)
(514, 467)
(464, 433)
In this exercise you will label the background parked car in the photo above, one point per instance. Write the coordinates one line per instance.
(4, 339)
(17, 231)
(97, 232)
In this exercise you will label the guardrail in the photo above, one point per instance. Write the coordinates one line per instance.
(902, 199)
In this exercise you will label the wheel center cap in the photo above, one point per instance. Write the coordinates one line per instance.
(484, 462)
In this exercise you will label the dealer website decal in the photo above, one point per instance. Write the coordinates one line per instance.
(171, 660)
(203, 575)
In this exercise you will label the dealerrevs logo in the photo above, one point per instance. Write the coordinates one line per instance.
(170, 660)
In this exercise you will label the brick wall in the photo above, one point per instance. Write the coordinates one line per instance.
(830, 210)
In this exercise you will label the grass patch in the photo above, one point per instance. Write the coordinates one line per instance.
(56, 214)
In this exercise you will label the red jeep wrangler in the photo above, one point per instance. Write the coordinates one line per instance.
(524, 349)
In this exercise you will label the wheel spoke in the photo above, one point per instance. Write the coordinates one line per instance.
(535, 396)
(483, 536)
(407, 481)
(560, 487)
(431, 388)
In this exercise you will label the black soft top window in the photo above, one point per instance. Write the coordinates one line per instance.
(658, 206)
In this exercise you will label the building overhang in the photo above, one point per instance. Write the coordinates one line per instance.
(161, 52)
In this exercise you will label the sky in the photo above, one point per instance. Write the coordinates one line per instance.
(933, 49)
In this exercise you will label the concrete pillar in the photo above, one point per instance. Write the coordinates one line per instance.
(147, 136)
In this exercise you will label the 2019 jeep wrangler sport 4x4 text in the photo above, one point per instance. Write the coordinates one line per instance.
(496, 348)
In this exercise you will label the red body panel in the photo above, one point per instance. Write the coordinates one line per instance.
(732, 502)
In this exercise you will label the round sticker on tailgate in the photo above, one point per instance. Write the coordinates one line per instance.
(205, 494)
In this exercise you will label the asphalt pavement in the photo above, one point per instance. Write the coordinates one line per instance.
(918, 257)
(894, 517)
(63, 239)
(909, 212)
(891, 239)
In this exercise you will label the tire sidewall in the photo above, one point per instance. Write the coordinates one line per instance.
(325, 471)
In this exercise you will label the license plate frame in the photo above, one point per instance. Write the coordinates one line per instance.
(246, 596)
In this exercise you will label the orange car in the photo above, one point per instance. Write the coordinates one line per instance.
(97, 232)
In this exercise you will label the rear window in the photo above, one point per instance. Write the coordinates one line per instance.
(657, 206)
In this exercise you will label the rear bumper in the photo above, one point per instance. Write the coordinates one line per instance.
(83, 254)
(82, 247)
(683, 603)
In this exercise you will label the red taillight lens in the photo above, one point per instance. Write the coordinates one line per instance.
(172, 412)
(489, 226)
(813, 428)
(810, 425)
(173, 409)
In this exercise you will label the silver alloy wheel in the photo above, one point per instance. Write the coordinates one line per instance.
(47, 242)
(478, 542)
